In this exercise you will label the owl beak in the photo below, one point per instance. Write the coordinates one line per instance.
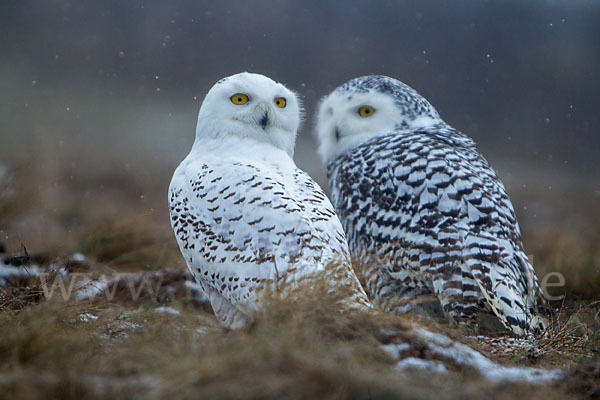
(264, 120)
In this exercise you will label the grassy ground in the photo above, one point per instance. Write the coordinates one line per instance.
(164, 344)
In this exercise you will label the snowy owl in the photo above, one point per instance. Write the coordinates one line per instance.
(243, 214)
(417, 195)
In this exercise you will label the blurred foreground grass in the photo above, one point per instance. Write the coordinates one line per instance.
(297, 350)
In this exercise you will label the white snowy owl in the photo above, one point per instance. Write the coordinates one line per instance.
(243, 214)
(416, 193)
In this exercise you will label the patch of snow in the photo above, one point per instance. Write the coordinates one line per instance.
(78, 256)
(395, 350)
(413, 363)
(403, 309)
(91, 289)
(85, 317)
(10, 271)
(204, 330)
(463, 355)
(167, 310)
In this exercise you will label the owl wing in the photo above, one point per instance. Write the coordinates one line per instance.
(431, 201)
(240, 225)
(491, 242)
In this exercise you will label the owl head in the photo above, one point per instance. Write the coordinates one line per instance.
(251, 107)
(366, 107)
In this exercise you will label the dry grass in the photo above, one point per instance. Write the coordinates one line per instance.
(131, 243)
(300, 348)
(576, 256)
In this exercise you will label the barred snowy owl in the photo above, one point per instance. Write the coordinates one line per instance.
(417, 194)
(243, 214)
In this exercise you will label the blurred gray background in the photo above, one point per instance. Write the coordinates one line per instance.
(112, 88)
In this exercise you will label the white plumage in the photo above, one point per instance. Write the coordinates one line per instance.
(418, 195)
(243, 214)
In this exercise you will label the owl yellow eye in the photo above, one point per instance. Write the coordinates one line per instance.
(239, 99)
(366, 111)
(280, 102)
